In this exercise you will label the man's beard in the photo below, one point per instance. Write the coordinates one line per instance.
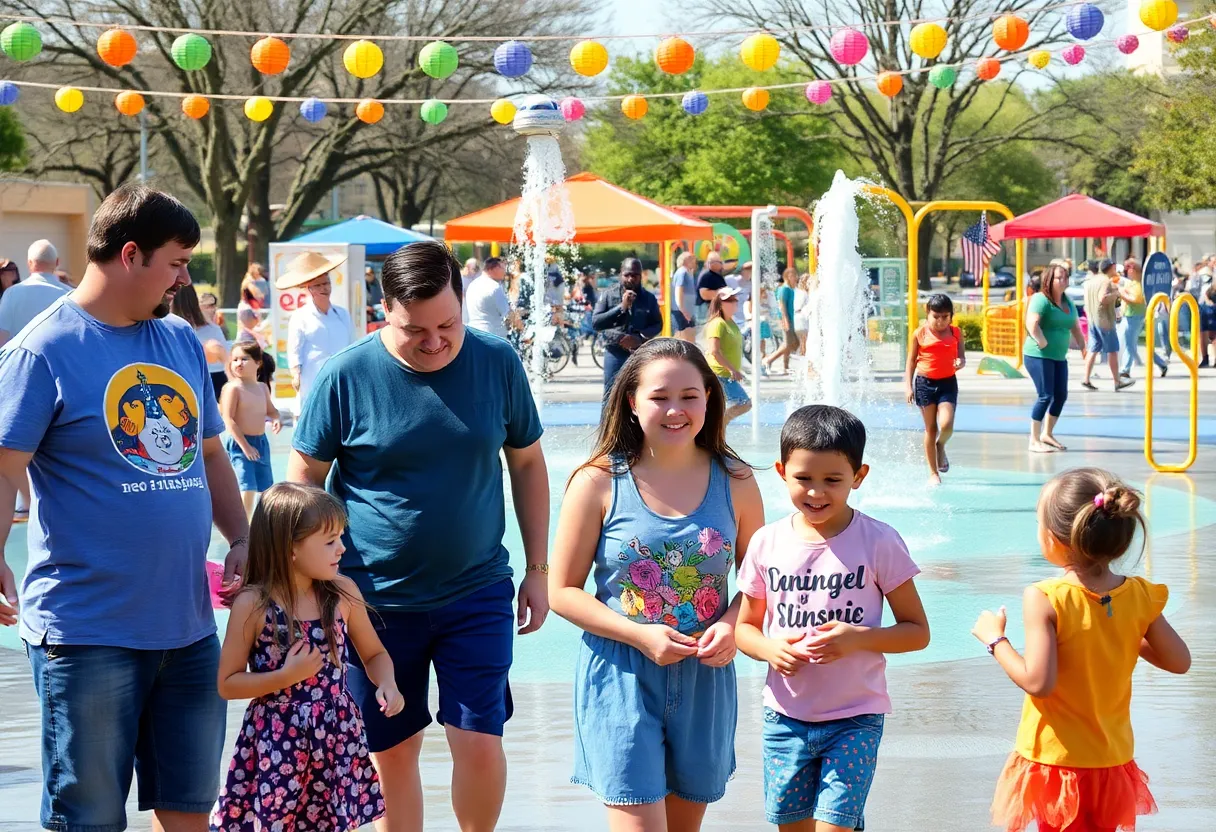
(161, 310)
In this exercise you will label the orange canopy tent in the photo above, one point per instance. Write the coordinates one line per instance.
(603, 213)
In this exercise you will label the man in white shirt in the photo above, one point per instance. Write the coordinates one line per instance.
(23, 302)
(467, 276)
(318, 329)
(486, 301)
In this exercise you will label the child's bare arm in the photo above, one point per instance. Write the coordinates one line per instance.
(377, 663)
(230, 399)
(781, 654)
(962, 351)
(235, 681)
(1162, 647)
(1035, 672)
(910, 370)
(909, 633)
(272, 412)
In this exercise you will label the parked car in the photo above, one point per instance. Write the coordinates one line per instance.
(1002, 278)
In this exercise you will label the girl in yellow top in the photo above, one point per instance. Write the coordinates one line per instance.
(1072, 770)
(724, 351)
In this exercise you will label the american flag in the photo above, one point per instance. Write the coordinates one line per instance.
(978, 248)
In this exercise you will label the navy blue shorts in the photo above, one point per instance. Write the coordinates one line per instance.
(927, 391)
(469, 641)
(251, 474)
(679, 322)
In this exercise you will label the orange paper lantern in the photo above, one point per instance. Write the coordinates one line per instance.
(129, 103)
(674, 56)
(270, 56)
(116, 47)
(890, 83)
(369, 111)
(195, 106)
(634, 106)
(1010, 32)
(987, 68)
(755, 99)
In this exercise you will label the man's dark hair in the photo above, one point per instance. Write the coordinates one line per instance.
(491, 263)
(821, 427)
(940, 303)
(420, 271)
(631, 265)
(141, 215)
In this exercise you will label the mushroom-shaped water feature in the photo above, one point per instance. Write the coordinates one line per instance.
(538, 115)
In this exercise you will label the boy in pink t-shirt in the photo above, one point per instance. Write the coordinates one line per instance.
(813, 587)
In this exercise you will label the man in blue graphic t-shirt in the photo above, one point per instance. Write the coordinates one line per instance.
(408, 425)
(108, 402)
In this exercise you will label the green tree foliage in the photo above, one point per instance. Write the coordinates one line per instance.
(12, 140)
(728, 155)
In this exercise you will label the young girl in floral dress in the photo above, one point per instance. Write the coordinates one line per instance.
(662, 511)
(301, 762)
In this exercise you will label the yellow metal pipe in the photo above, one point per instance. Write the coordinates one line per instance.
(665, 271)
(1188, 360)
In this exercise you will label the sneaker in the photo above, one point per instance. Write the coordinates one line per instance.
(1165, 370)
(1123, 385)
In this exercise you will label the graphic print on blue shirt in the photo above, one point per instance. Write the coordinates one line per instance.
(152, 414)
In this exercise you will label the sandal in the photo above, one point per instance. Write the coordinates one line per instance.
(1089, 385)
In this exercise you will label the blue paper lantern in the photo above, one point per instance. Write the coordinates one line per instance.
(9, 93)
(695, 103)
(513, 59)
(313, 110)
(1084, 21)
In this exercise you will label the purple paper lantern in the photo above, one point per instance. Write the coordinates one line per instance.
(9, 93)
(1074, 54)
(695, 102)
(1084, 21)
(572, 108)
(818, 92)
(313, 110)
(1178, 34)
(513, 58)
(849, 47)
(1127, 44)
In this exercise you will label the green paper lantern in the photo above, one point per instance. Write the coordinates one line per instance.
(438, 59)
(433, 112)
(943, 77)
(20, 41)
(191, 52)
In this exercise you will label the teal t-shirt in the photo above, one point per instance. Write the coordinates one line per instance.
(785, 296)
(1056, 325)
(416, 461)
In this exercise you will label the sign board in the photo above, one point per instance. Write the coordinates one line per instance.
(1158, 275)
(348, 292)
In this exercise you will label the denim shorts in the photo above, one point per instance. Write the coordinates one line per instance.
(820, 770)
(734, 391)
(107, 711)
(469, 641)
(251, 474)
(642, 732)
(927, 391)
(1102, 340)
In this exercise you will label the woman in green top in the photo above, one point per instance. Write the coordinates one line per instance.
(724, 351)
(1051, 326)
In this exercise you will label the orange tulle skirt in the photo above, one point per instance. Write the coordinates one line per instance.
(1071, 799)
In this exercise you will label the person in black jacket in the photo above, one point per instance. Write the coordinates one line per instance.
(628, 316)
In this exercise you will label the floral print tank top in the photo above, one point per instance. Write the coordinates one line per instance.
(667, 570)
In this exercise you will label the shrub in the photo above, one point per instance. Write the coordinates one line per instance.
(972, 327)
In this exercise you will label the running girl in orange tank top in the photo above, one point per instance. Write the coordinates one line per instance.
(1073, 768)
(930, 383)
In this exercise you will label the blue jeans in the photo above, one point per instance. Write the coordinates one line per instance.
(108, 710)
(1163, 336)
(1050, 377)
(614, 360)
(1129, 340)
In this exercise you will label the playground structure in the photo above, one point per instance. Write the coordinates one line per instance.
(1188, 360)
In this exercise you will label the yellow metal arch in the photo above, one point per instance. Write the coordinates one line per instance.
(1188, 360)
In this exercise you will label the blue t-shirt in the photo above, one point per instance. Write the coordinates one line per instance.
(785, 296)
(416, 461)
(683, 289)
(121, 516)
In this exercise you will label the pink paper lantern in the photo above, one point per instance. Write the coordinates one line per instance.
(1178, 34)
(1074, 54)
(818, 92)
(572, 109)
(849, 47)
(1127, 44)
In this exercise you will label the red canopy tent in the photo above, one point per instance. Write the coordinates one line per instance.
(1076, 215)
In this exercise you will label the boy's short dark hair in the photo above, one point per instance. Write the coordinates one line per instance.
(420, 271)
(138, 214)
(822, 427)
(940, 303)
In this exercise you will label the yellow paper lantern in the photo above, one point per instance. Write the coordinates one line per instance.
(890, 83)
(760, 51)
(589, 58)
(369, 111)
(195, 106)
(69, 99)
(270, 56)
(634, 106)
(502, 111)
(1159, 15)
(927, 40)
(116, 47)
(258, 108)
(363, 59)
(755, 99)
(129, 103)
(1039, 58)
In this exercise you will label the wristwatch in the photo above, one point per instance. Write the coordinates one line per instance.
(992, 646)
(543, 568)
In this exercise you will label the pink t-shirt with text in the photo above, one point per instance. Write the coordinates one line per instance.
(805, 585)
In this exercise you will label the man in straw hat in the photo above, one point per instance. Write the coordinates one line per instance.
(317, 330)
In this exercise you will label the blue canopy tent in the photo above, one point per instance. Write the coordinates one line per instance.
(378, 238)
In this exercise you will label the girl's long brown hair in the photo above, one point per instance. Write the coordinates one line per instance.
(620, 437)
(287, 514)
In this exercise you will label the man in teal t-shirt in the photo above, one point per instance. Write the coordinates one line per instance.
(785, 303)
(408, 427)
